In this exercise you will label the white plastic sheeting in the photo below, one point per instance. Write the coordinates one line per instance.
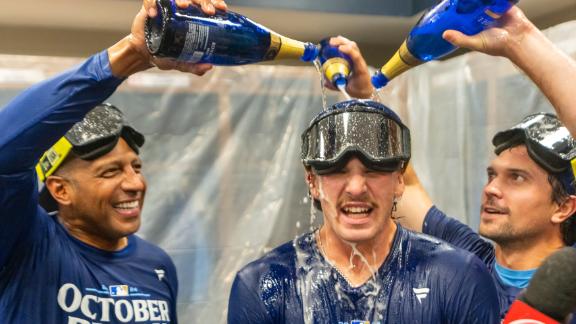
(222, 151)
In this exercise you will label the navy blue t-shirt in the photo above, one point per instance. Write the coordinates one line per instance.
(423, 280)
(437, 224)
(46, 275)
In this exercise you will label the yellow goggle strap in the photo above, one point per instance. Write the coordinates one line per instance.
(573, 164)
(51, 159)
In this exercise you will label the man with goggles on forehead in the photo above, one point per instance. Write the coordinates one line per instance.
(528, 203)
(360, 266)
(82, 263)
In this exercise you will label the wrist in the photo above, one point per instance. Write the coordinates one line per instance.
(522, 46)
(126, 58)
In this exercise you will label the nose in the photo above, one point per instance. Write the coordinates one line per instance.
(133, 181)
(356, 185)
(492, 189)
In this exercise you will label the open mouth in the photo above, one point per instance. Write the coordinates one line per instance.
(128, 208)
(356, 215)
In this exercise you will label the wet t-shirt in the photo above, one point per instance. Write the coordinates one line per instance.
(423, 280)
(437, 224)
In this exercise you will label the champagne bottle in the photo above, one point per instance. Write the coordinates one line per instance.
(227, 38)
(425, 41)
(336, 66)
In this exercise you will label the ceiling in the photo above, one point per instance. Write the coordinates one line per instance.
(82, 27)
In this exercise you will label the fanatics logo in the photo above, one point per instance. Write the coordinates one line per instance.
(421, 293)
(160, 273)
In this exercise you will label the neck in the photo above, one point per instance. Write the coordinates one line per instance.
(526, 255)
(356, 261)
(99, 242)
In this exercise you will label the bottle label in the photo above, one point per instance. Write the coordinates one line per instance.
(197, 43)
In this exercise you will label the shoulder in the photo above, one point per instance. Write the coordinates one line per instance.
(439, 253)
(144, 249)
(278, 264)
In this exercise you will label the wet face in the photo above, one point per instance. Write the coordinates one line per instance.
(516, 201)
(105, 196)
(357, 201)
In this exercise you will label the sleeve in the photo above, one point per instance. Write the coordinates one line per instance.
(172, 276)
(474, 298)
(437, 224)
(30, 124)
(245, 305)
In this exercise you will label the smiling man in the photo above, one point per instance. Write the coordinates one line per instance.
(82, 263)
(528, 204)
(360, 266)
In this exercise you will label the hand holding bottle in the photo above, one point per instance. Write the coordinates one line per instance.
(551, 69)
(425, 41)
(208, 6)
(130, 55)
(496, 41)
(359, 85)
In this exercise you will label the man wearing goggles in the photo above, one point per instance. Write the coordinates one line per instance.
(82, 263)
(360, 266)
(528, 203)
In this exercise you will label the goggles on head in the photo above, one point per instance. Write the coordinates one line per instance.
(96, 135)
(366, 129)
(548, 142)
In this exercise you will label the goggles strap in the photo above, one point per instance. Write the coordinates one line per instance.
(51, 159)
(571, 179)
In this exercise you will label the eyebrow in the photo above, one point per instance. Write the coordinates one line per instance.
(510, 170)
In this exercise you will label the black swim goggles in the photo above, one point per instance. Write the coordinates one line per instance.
(96, 135)
(548, 142)
(366, 129)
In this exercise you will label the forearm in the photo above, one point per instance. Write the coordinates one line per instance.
(415, 202)
(40, 115)
(551, 70)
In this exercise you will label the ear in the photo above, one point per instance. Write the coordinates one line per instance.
(312, 181)
(564, 210)
(60, 189)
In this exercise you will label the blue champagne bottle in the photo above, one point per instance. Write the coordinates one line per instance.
(227, 38)
(425, 41)
(336, 66)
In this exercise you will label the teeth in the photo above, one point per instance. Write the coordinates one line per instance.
(128, 205)
(356, 210)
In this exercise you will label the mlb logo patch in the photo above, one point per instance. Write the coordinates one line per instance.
(359, 322)
(118, 291)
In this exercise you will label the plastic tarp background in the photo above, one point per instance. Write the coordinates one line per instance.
(222, 156)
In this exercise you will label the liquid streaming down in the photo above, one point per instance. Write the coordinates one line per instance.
(342, 88)
(318, 66)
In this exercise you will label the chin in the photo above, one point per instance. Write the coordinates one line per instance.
(356, 236)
